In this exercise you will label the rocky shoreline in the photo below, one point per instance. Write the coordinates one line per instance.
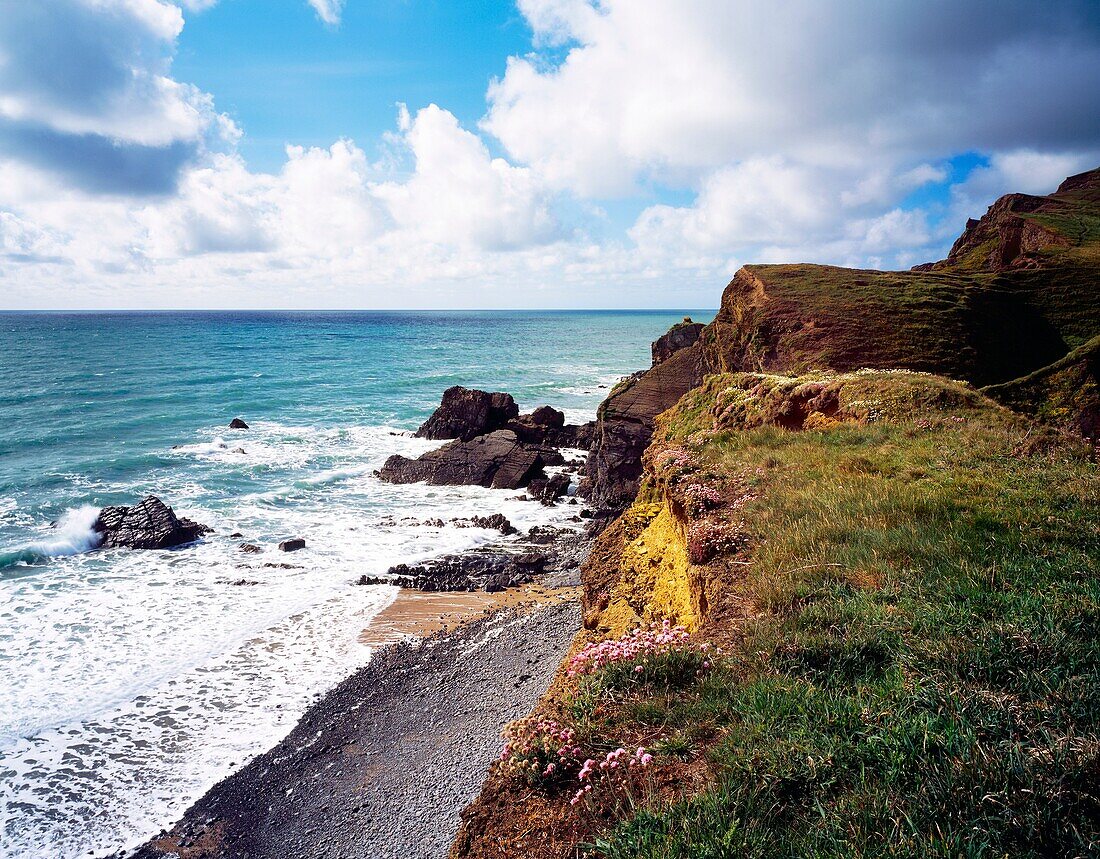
(383, 764)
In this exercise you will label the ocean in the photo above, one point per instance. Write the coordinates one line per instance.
(131, 682)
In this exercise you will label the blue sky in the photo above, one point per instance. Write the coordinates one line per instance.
(286, 77)
(535, 153)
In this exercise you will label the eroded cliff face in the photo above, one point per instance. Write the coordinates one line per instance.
(1020, 290)
(624, 425)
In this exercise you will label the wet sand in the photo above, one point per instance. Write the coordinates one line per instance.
(418, 614)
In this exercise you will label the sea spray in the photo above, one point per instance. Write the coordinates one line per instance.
(72, 534)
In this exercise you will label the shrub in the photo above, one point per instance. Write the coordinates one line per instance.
(659, 655)
(708, 539)
(544, 752)
(618, 778)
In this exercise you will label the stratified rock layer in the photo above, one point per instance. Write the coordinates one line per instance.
(1020, 290)
(498, 460)
(466, 413)
(150, 524)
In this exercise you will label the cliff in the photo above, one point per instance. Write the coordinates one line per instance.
(891, 578)
(873, 582)
(1017, 293)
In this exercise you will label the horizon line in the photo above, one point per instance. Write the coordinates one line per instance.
(357, 310)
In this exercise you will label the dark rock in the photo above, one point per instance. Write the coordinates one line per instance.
(550, 489)
(250, 548)
(498, 460)
(236, 534)
(678, 337)
(545, 534)
(465, 413)
(497, 521)
(548, 416)
(625, 425)
(468, 571)
(292, 545)
(237, 423)
(150, 524)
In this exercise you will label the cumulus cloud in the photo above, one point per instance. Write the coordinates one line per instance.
(459, 195)
(802, 126)
(85, 91)
(801, 131)
(657, 88)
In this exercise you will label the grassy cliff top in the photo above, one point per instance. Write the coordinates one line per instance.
(1020, 289)
(916, 667)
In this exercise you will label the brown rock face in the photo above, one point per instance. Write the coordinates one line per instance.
(1002, 239)
(624, 425)
(466, 413)
(1018, 288)
(498, 460)
(150, 524)
(676, 338)
(1016, 230)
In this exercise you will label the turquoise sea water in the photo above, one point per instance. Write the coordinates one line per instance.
(132, 681)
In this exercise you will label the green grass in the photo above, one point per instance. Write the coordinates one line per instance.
(923, 677)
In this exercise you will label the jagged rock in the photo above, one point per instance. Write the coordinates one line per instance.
(468, 571)
(292, 545)
(237, 423)
(625, 425)
(250, 548)
(497, 521)
(546, 426)
(466, 413)
(550, 489)
(150, 524)
(679, 336)
(548, 416)
(498, 460)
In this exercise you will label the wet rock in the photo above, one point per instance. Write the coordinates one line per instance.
(626, 423)
(498, 521)
(292, 545)
(498, 460)
(150, 524)
(237, 423)
(466, 413)
(549, 490)
(468, 571)
(250, 548)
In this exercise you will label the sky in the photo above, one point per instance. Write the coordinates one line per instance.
(526, 154)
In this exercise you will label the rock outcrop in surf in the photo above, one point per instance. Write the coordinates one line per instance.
(492, 444)
(149, 524)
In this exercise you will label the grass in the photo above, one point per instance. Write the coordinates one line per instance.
(922, 676)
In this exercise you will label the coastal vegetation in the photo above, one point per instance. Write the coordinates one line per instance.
(880, 587)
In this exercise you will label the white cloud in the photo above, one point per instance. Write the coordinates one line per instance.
(671, 90)
(328, 10)
(86, 91)
(789, 132)
(459, 195)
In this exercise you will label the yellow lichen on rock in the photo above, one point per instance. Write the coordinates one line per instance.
(656, 579)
